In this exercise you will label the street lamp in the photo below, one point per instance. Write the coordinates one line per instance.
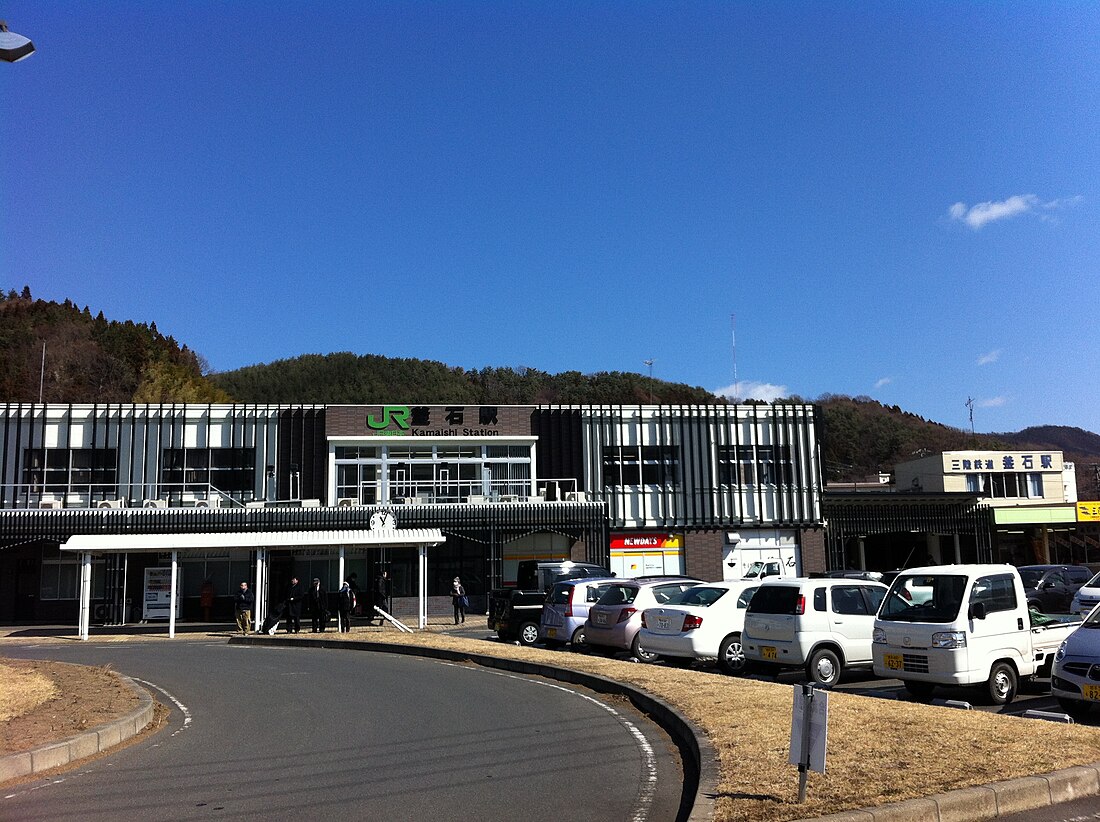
(13, 47)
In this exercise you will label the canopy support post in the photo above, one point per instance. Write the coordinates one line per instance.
(85, 618)
(172, 596)
(422, 587)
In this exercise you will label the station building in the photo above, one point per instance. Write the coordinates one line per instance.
(1018, 507)
(106, 497)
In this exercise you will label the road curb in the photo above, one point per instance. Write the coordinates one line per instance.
(983, 802)
(699, 757)
(81, 746)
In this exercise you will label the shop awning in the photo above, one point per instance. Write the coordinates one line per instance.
(184, 543)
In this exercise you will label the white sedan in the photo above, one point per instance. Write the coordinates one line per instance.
(704, 622)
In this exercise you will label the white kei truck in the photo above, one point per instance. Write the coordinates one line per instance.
(963, 625)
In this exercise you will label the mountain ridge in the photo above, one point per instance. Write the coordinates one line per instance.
(92, 359)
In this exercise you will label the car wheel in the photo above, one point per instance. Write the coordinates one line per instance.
(579, 640)
(528, 633)
(1077, 708)
(824, 668)
(731, 656)
(1036, 606)
(640, 653)
(1002, 683)
(920, 690)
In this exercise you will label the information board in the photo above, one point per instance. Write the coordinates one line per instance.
(158, 590)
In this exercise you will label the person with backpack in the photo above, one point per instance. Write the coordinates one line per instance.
(346, 604)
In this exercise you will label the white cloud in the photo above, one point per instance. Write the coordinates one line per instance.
(990, 211)
(749, 390)
(884, 381)
(991, 402)
(992, 356)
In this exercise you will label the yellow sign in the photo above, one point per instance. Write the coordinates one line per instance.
(1088, 511)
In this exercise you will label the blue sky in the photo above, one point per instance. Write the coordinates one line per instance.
(894, 200)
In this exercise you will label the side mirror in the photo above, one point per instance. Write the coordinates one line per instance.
(977, 610)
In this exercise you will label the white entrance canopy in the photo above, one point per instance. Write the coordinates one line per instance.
(261, 542)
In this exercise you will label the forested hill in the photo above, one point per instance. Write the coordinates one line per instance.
(349, 378)
(91, 359)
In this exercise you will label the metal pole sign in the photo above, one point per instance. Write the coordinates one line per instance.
(809, 732)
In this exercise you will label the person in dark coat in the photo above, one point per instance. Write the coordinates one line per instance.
(353, 583)
(382, 595)
(459, 600)
(242, 607)
(346, 604)
(317, 597)
(295, 594)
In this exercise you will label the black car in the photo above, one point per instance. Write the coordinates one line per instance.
(1050, 588)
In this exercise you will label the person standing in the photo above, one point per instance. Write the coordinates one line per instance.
(357, 595)
(346, 604)
(317, 597)
(294, 596)
(459, 600)
(382, 595)
(242, 606)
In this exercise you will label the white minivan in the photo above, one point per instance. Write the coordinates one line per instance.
(821, 625)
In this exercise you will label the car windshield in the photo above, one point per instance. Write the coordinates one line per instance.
(1093, 583)
(924, 598)
(701, 595)
(1031, 576)
(618, 595)
(1092, 620)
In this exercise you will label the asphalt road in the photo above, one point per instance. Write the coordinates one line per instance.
(295, 733)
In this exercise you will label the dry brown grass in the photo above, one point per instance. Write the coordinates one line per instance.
(22, 690)
(878, 751)
(82, 698)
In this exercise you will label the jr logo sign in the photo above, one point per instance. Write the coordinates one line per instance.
(396, 414)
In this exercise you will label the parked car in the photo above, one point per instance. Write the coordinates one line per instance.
(1086, 598)
(1075, 680)
(614, 621)
(515, 613)
(1050, 588)
(822, 625)
(566, 610)
(973, 629)
(703, 622)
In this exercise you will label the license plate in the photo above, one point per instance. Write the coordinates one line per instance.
(551, 632)
(894, 662)
(664, 622)
(768, 652)
(600, 619)
(1091, 692)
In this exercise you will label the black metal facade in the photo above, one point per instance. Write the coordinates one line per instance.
(854, 513)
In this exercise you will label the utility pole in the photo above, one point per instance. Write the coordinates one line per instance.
(650, 364)
(970, 405)
(733, 340)
(42, 374)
